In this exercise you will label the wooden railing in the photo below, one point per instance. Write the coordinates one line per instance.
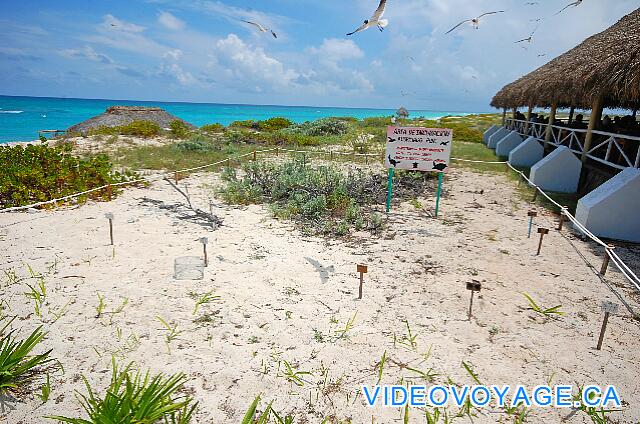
(616, 150)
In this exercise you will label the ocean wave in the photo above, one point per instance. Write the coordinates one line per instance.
(11, 111)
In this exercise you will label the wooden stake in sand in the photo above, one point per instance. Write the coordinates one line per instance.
(562, 218)
(175, 177)
(607, 259)
(362, 269)
(254, 155)
(204, 242)
(474, 286)
(608, 308)
(109, 216)
(542, 232)
(532, 214)
(213, 217)
(109, 192)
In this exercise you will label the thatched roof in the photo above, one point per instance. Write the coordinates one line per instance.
(605, 65)
(122, 115)
(402, 112)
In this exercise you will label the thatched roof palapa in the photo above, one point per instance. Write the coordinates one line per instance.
(605, 66)
(123, 115)
(402, 112)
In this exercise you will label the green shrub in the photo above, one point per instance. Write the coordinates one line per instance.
(212, 128)
(239, 136)
(137, 128)
(274, 124)
(285, 137)
(463, 132)
(37, 173)
(136, 398)
(197, 143)
(379, 121)
(321, 127)
(141, 128)
(244, 124)
(179, 129)
(321, 200)
(351, 119)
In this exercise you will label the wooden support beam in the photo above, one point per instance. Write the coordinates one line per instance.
(594, 123)
(528, 124)
(571, 112)
(504, 116)
(552, 117)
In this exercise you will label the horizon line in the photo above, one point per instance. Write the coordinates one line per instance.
(237, 104)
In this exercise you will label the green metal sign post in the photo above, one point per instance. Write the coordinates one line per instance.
(390, 188)
(440, 179)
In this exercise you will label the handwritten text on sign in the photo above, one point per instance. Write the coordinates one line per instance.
(419, 149)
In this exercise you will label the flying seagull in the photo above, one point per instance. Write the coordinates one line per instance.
(574, 4)
(475, 22)
(529, 38)
(261, 28)
(375, 19)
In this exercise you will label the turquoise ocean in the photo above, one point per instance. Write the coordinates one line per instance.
(22, 117)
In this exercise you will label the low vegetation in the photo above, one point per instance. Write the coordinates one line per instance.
(323, 200)
(36, 173)
(179, 129)
(136, 398)
(135, 128)
(18, 366)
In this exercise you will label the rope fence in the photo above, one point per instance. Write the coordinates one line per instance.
(609, 250)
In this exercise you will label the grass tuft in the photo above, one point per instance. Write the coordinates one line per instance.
(17, 366)
(136, 398)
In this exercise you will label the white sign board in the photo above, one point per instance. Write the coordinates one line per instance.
(418, 149)
(609, 307)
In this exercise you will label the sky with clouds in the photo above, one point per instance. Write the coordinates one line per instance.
(201, 51)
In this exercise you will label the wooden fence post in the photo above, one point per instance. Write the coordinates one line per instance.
(607, 259)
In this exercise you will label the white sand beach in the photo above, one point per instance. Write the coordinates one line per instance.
(285, 297)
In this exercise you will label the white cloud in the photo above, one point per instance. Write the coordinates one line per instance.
(121, 35)
(247, 63)
(218, 9)
(176, 72)
(335, 50)
(87, 52)
(169, 21)
(112, 23)
(174, 54)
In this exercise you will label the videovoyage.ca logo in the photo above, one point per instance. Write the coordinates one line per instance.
(480, 396)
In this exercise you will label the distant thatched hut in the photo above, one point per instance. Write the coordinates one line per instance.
(402, 113)
(122, 115)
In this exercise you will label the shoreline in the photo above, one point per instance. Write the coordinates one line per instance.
(458, 115)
